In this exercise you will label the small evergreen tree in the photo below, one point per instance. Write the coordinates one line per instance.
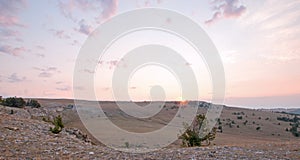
(58, 125)
(191, 137)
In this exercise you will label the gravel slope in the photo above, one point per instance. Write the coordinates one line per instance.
(22, 137)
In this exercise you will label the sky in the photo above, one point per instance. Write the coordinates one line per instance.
(258, 42)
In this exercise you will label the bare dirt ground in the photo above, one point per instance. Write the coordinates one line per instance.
(23, 135)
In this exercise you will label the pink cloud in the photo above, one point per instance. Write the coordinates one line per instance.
(46, 69)
(109, 8)
(84, 28)
(40, 55)
(40, 47)
(148, 3)
(13, 78)
(59, 34)
(216, 16)
(111, 63)
(9, 19)
(74, 43)
(79, 88)
(159, 1)
(7, 33)
(133, 87)
(226, 9)
(106, 88)
(68, 7)
(188, 64)
(46, 72)
(15, 51)
(59, 82)
(64, 88)
(8, 12)
(89, 71)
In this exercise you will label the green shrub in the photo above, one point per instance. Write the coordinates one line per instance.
(294, 130)
(287, 119)
(33, 103)
(219, 121)
(46, 119)
(127, 144)
(296, 134)
(55, 130)
(14, 102)
(58, 125)
(191, 137)
(220, 128)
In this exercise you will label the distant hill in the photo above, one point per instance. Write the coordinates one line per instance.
(284, 110)
(296, 111)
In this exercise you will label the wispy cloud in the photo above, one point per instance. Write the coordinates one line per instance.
(112, 63)
(81, 88)
(14, 78)
(40, 47)
(9, 19)
(60, 34)
(188, 63)
(9, 23)
(89, 71)
(277, 28)
(68, 7)
(103, 9)
(64, 88)
(84, 28)
(74, 43)
(133, 87)
(8, 33)
(15, 51)
(46, 72)
(107, 64)
(226, 9)
(58, 82)
(148, 3)
(40, 55)
(109, 8)
(8, 12)
(105, 88)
